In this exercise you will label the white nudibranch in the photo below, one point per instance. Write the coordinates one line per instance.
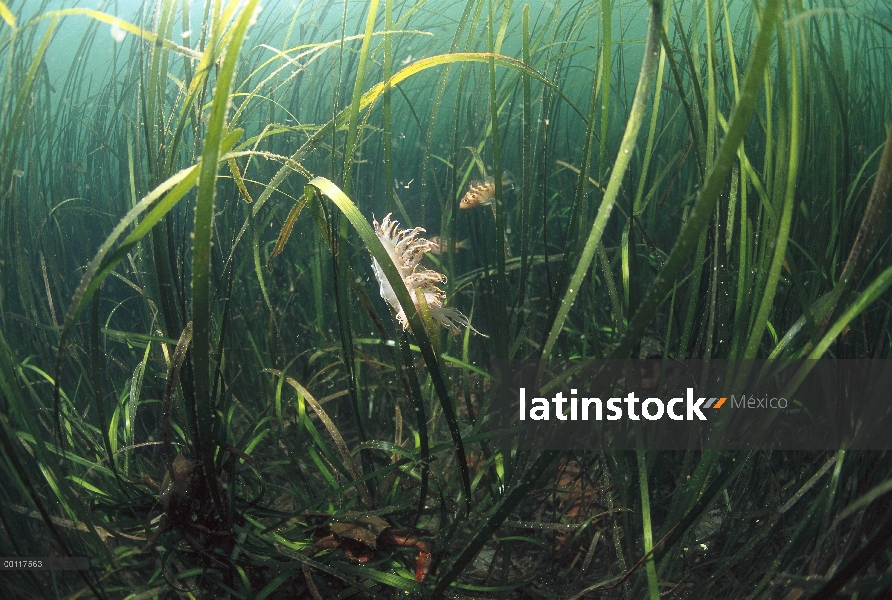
(406, 248)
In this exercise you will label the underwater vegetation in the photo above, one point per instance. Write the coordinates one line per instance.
(195, 290)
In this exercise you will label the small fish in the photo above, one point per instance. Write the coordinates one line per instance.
(440, 246)
(482, 193)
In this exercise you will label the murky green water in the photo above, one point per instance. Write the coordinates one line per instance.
(286, 240)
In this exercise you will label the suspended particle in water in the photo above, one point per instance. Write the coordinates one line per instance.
(186, 34)
(117, 33)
